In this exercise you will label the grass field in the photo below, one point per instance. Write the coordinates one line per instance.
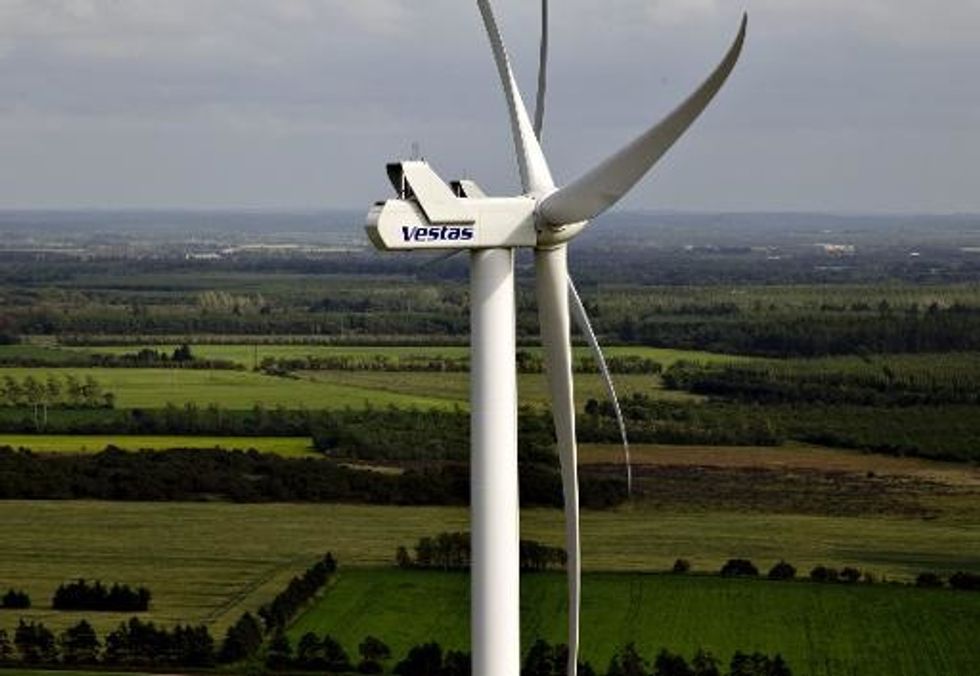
(821, 630)
(289, 447)
(208, 562)
(250, 355)
(154, 388)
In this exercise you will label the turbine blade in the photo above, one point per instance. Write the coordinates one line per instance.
(603, 186)
(585, 326)
(551, 270)
(542, 72)
(535, 174)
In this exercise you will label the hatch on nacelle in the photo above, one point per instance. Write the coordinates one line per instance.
(415, 180)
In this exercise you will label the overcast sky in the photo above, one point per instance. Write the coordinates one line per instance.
(836, 105)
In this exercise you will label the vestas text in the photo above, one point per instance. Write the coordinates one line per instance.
(442, 233)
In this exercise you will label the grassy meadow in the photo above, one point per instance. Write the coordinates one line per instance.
(821, 630)
(154, 388)
(251, 355)
(209, 562)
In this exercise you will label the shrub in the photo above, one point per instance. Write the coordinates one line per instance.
(850, 575)
(823, 574)
(739, 568)
(681, 566)
(16, 599)
(928, 580)
(782, 571)
(965, 581)
(669, 664)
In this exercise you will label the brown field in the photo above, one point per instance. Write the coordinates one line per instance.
(784, 458)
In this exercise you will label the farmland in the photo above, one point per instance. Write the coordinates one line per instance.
(289, 447)
(207, 562)
(820, 629)
(796, 406)
(154, 388)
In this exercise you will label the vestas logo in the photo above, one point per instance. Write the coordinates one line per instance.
(442, 233)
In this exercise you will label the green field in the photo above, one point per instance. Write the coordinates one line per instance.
(250, 355)
(208, 562)
(876, 630)
(289, 447)
(154, 388)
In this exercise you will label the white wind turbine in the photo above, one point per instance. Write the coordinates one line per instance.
(429, 214)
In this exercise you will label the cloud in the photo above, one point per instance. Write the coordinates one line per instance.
(339, 83)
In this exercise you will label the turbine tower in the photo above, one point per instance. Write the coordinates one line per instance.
(429, 214)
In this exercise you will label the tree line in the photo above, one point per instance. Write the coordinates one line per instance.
(770, 383)
(452, 551)
(80, 595)
(133, 644)
(68, 391)
(527, 362)
(181, 357)
(253, 477)
(326, 654)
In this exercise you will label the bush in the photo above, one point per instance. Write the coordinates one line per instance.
(681, 566)
(669, 664)
(928, 580)
(850, 575)
(965, 581)
(758, 664)
(16, 599)
(823, 574)
(422, 660)
(782, 571)
(739, 568)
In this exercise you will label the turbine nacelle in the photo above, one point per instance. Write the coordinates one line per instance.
(433, 215)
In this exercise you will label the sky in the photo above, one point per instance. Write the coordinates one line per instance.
(836, 106)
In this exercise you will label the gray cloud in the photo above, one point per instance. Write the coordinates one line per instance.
(835, 106)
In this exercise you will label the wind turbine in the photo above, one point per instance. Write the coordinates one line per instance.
(430, 214)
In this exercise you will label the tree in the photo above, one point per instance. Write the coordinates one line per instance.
(758, 664)
(627, 662)
(374, 649)
(6, 649)
(739, 568)
(457, 663)
(280, 652)
(13, 392)
(402, 558)
(92, 392)
(928, 580)
(308, 653)
(16, 599)
(242, 639)
(540, 660)
(334, 655)
(782, 571)
(192, 646)
(823, 574)
(182, 353)
(705, 664)
(669, 664)
(422, 660)
(79, 644)
(965, 581)
(35, 643)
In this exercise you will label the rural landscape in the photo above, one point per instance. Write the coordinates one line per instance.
(239, 442)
